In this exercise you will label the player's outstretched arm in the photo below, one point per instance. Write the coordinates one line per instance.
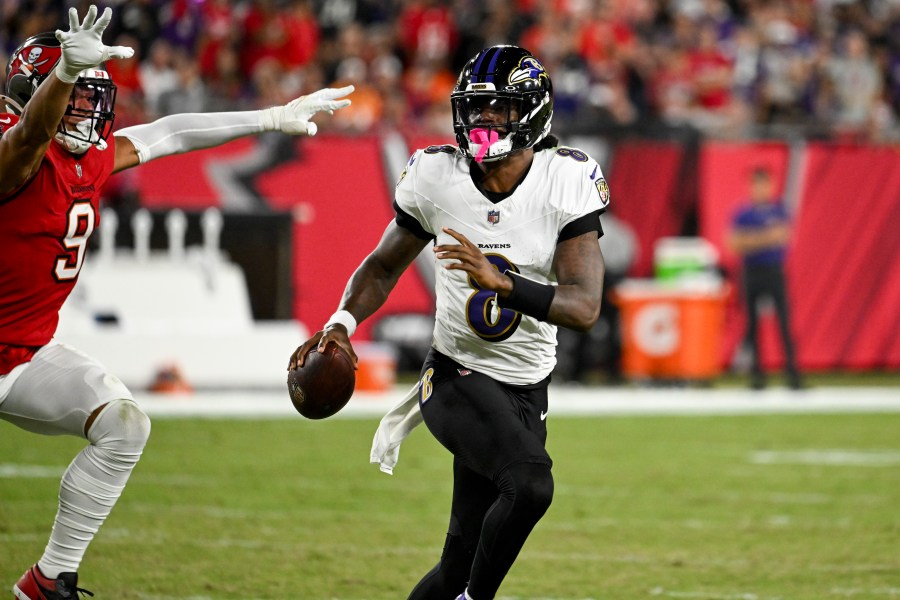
(23, 146)
(176, 134)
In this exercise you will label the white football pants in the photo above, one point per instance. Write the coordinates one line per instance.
(54, 394)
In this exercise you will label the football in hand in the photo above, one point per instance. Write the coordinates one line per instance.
(324, 384)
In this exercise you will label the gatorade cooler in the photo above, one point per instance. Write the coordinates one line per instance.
(377, 367)
(671, 332)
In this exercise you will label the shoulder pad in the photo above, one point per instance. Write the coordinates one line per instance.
(445, 148)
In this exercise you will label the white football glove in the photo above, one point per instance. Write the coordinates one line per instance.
(294, 117)
(82, 47)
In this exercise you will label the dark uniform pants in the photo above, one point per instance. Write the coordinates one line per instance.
(501, 473)
(762, 282)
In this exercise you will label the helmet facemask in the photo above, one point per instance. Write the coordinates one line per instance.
(488, 122)
(89, 117)
(502, 103)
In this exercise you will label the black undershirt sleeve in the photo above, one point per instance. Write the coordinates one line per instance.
(407, 221)
(582, 225)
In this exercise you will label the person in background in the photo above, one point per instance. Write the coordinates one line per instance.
(759, 234)
(514, 220)
(57, 152)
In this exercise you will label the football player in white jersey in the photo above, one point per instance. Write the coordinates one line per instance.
(514, 222)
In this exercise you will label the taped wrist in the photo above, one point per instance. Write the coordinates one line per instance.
(66, 73)
(342, 317)
(528, 297)
(270, 118)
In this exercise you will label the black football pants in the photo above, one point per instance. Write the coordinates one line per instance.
(502, 484)
(761, 282)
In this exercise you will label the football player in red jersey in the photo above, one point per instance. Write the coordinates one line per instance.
(57, 151)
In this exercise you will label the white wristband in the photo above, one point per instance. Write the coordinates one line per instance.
(63, 75)
(342, 317)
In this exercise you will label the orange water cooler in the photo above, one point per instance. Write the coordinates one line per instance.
(671, 331)
(377, 367)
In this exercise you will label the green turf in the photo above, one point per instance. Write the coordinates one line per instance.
(662, 507)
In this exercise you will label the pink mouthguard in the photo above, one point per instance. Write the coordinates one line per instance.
(484, 138)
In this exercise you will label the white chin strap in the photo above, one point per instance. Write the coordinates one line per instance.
(81, 146)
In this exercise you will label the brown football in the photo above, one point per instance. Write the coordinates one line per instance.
(324, 384)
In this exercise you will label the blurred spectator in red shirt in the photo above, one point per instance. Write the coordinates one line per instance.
(303, 33)
(427, 29)
(711, 70)
(126, 72)
(672, 87)
(287, 34)
(221, 30)
(602, 41)
(129, 91)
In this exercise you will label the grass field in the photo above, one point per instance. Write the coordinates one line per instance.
(792, 507)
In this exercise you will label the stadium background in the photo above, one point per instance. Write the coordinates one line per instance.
(678, 100)
(661, 491)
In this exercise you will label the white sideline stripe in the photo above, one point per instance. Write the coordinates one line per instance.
(21, 471)
(149, 597)
(711, 595)
(835, 457)
(12, 470)
(866, 592)
(15, 538)
(564, 401)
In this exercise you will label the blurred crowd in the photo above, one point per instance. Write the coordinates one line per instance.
(738, 69)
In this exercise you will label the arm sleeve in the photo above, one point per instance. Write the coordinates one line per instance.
(175, 134)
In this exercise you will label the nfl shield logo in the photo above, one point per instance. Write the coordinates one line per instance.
(493, 217)
(78, 169)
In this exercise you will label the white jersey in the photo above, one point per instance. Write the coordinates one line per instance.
(518, 233)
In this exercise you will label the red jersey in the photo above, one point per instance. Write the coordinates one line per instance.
(44, 230)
